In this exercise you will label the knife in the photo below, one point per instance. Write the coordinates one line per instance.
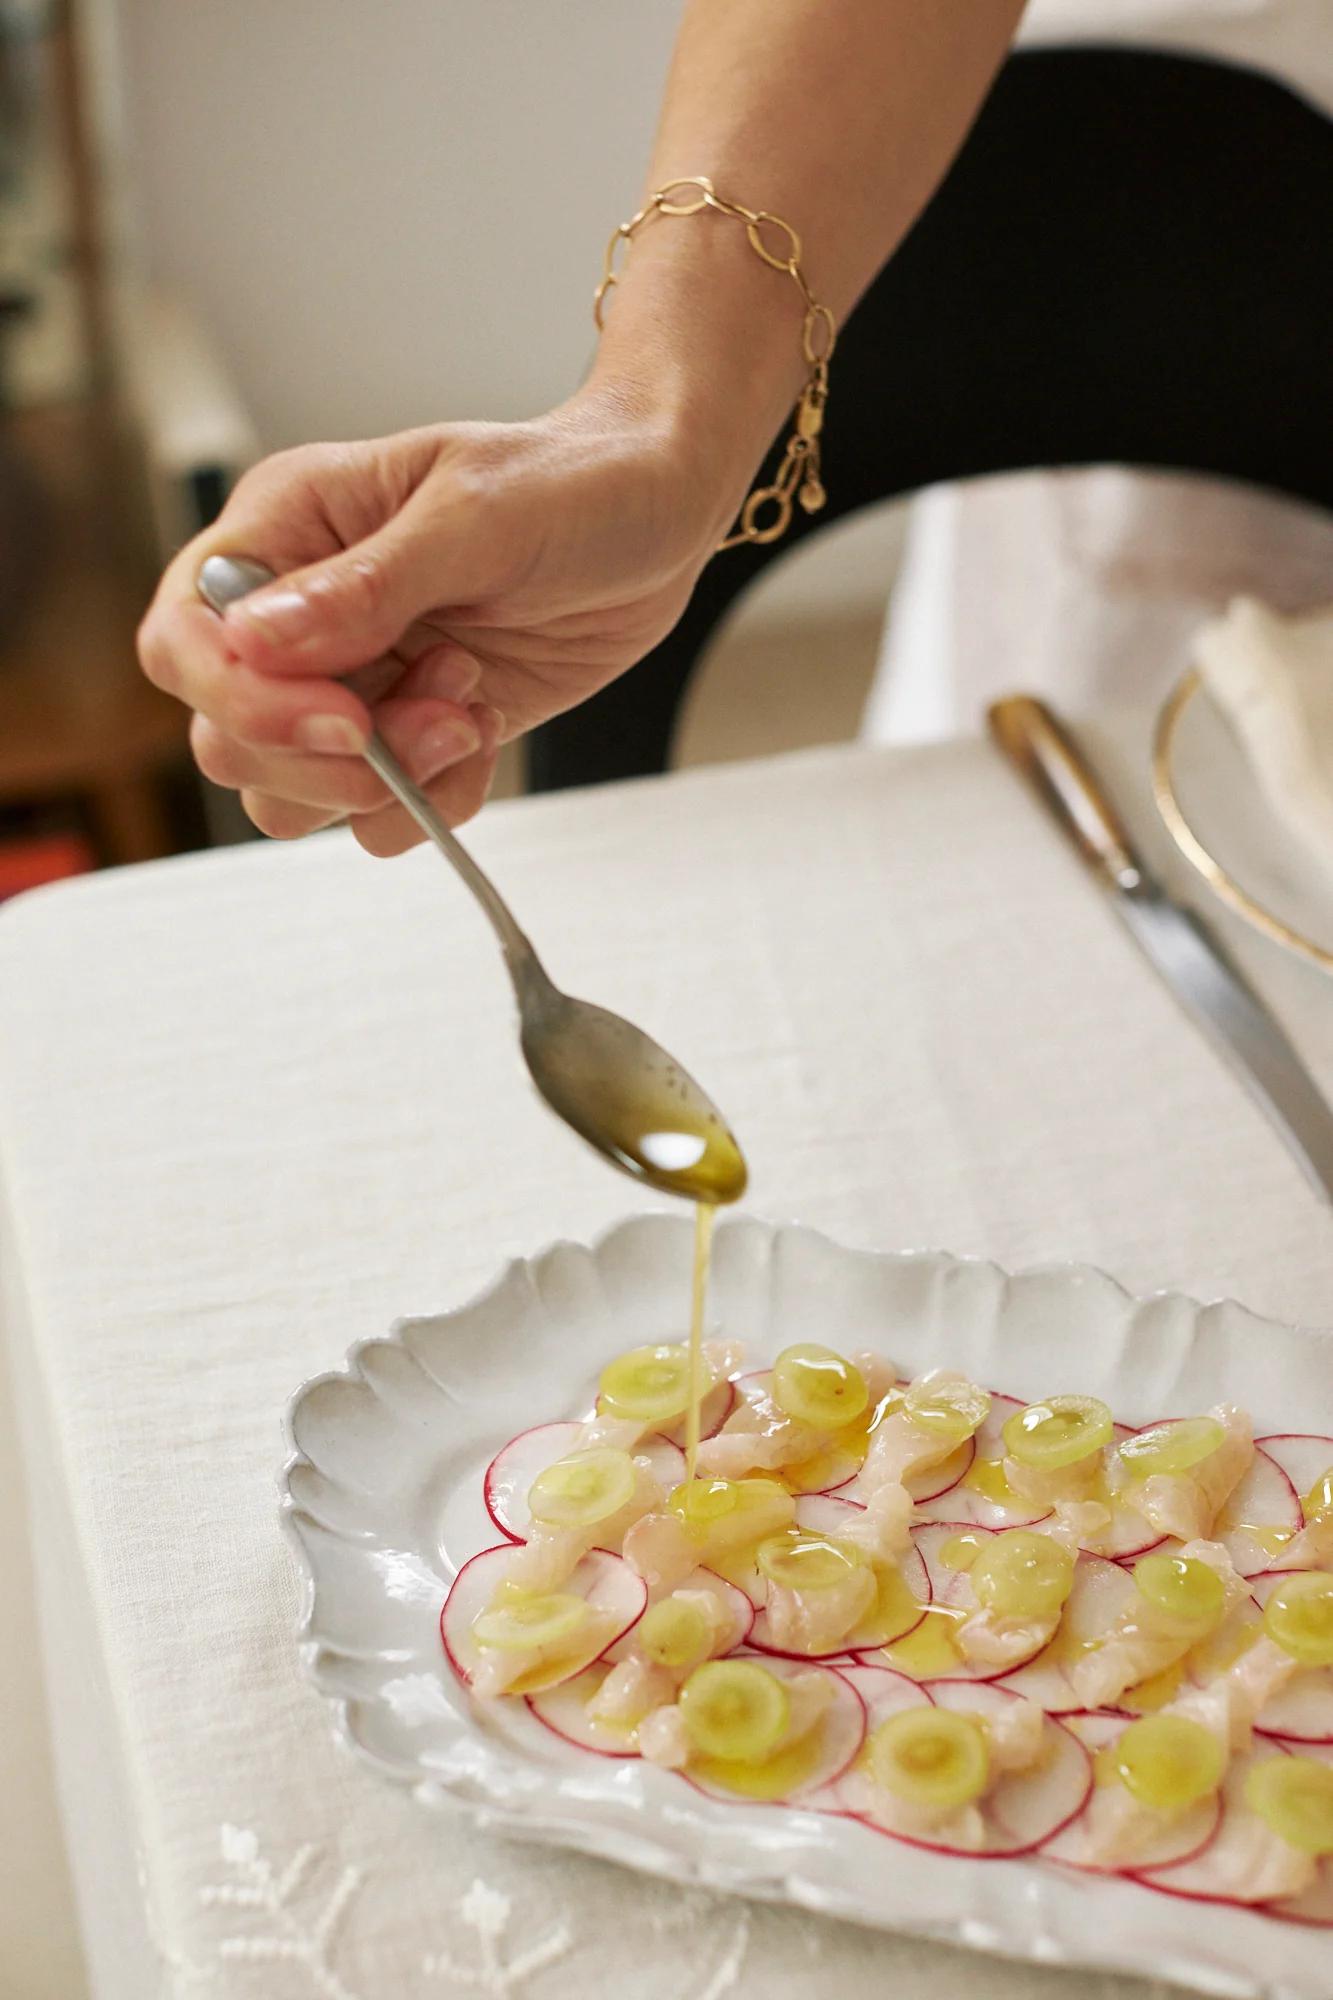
(1207, 984)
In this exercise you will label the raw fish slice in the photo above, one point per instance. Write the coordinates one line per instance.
(826, 1730)
(1297, 1701)
(615, 1597)
(1143, 1643)
(827, 1623)
(971, 1496)
(566, 1712)
(1305, 1459)
(1041, 1777)
(1245, 1863)
(1112, 1822)
(1101, 1591)
(547, 1555)
(1259, 1521)
(1186, 1504)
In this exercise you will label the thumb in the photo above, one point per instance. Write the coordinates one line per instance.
(339, 614)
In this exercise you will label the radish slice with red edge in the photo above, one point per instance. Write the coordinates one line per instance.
(1264, 1500)
(893, 1617)
(930, 1652)
(967, 1497)
(564, 1711)
(1129, 1535)
(819, 1513)
(1029, 1807)
(605, 1582)
(1020, 1812)
(510, 1474)
(1178, 1839)
(1315, 1904)
(1302, 1712)
(1101, 1591)
(739, 1610)
(1302, 1456)
(807, 1770)
(1224, 1870)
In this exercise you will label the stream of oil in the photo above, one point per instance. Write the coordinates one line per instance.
(704, 1214)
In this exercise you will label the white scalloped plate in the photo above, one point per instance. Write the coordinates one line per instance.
(383, 1499)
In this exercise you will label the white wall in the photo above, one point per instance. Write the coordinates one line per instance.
(389, 211)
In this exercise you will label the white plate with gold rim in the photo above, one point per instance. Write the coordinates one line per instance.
(382, 1497)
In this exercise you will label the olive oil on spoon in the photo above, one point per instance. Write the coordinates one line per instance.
(604, 1077)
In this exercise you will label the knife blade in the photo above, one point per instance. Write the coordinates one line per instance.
(1206, 982)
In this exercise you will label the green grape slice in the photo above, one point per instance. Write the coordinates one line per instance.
(1168, 1762)
(649, 1384)
(1187, 1591)
(583, 1489)
(1173, 1447)
(672, 1634)
(1294, 1796)
(1058, 1432)
(519, 1624)
(1021, 1575)
(930, 1757)
(951, 1408)
(818, 1387)
(807, 1561)
(1299, 1617)
(735, 1710)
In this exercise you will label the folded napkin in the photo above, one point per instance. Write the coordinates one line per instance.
(1272, 677)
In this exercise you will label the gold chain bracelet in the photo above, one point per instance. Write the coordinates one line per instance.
(798, 474)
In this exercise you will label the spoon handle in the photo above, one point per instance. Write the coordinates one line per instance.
(222, 581)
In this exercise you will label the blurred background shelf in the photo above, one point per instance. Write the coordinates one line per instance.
(81, 732)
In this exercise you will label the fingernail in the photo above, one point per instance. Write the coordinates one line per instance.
(445, 676)
(442, 744)
(329, 735)
(281, 615)
(490, 722)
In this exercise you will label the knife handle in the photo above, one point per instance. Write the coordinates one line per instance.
(1047, 756)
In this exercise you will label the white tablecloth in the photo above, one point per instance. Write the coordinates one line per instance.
(253, 1105)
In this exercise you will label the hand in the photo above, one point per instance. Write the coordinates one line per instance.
(448, 587)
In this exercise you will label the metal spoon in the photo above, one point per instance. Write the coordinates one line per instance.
(608, 1080)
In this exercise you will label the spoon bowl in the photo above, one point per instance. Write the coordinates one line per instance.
(609, 1082)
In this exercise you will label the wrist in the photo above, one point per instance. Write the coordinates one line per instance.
(702, 343)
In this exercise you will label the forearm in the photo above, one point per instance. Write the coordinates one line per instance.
(841, 116)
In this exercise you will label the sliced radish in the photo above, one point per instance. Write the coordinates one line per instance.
(810, 1767)
(1303, 1711)
(1303, 1456)
(820, 1513)
(965, 1497)
(1023, 1809)
(1223, 1870)
(884, 1692)
(511, 1472)
(1101, 1591)
(1315, 1905)
(739, 1610)
(564, 1710)
(950, 1598)
(1265, 1499)
(1026, 1808)
(826, 1514)
(829, 1470)
(605, 1582)
(1182, 1839)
